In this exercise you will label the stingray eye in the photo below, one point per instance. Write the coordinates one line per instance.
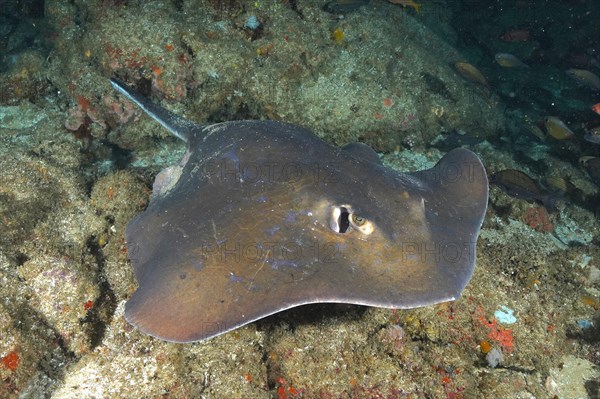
(343, 220)
(361, 224)
(358, 220)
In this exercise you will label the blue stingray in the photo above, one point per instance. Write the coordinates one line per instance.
(262, 216)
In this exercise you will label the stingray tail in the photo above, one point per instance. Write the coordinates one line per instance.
(176, 125)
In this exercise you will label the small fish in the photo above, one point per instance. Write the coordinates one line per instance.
(344, 6)
(509, 61)
(585, 78)
(407, 3)
(558, 185)
(536, 131)
(592, 166)
(534, 128)
(596, 108)
(593, 135)
(557, 129)
(578, 58)
(455, 139)
(470, 73)
(519, 185)
(516, 35)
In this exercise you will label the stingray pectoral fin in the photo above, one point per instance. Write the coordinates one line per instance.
(455, 206)
(362, 151)
(180, 307)
(422, 251)
(184, 303)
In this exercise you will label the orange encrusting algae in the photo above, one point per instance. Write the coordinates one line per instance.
(11, 361)
(84, 103)
(495, 332)
(501, 335)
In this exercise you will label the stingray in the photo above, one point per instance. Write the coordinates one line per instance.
(263, 216)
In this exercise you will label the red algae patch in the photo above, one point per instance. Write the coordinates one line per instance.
(11, 360)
